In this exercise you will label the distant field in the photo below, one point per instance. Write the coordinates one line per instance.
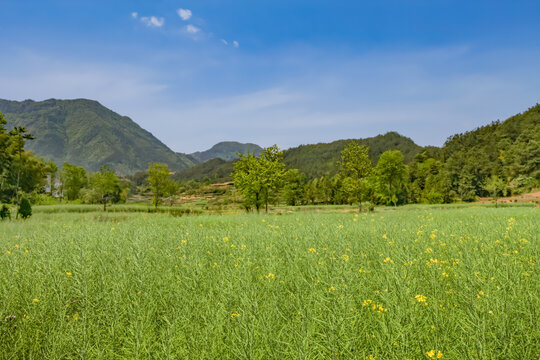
(448, 282)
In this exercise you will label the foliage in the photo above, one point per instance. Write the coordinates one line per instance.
(105, 187)
(355, 167)
(160, 183)
(293, 191)
(391, 176)
(84, 132)
(25, 209)
(5, 213)
(226, 150)
(74, 179)
(258, 178)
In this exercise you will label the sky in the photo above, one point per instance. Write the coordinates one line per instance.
(197, 72)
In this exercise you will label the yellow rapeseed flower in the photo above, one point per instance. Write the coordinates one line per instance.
(234, 315)
(331, 288)
(68, 273)
(312, 250)
(36, 300)
(271, 276)
(420, 298)
(345, 257)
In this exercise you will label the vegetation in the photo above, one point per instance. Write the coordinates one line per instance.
(85, 133)
(160, 183)
(25, 209)
(397, 284)
(226, 150)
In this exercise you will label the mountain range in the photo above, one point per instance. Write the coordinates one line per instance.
(85, 133)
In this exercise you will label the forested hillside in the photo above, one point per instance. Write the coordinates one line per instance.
(322, 159)
(226, 150)
(85, 133)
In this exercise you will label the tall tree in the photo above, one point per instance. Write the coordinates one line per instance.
(355, 167)
(259, 178)
(106, 185)
(73, 178)
(391, 175)
(20, 135)
(160, 183)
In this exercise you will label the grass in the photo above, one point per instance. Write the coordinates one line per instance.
(388, 285)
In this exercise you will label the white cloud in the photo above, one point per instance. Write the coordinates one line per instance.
(185, 14)
(224, 41)
(153, 21)
(192, 29)
(134, 14)
(236, 44)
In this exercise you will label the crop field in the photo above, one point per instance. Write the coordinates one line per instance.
(420, 283)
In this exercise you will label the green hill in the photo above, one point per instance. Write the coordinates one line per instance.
(315, 160)
(85, 133)
(226, 150)
(321, 159)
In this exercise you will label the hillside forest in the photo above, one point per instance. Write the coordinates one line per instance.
(499, 159)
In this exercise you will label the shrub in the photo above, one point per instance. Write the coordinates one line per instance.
(5, 213)
(25, 209)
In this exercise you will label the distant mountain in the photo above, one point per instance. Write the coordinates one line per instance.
(85, 133)
(314, 160)
(321, 159)
(226, 150)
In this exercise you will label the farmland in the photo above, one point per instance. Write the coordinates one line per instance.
(416, 283)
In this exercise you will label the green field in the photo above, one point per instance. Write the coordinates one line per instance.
(416, 283)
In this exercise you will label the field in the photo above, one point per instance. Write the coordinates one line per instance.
(416, 283)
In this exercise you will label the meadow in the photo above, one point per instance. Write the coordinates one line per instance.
(415, 283)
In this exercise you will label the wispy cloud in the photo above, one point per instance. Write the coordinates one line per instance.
(185, 14)
(236, 44)
(134, 14)
(192, 29)
(153, 21)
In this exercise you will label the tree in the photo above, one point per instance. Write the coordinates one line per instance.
(25, 209)
(160, 183)
(293, 191)
(494, 186)
(73, 178)
(259, 178)
(106, 185)
(355, 166)
(20, 134)
(391, 176)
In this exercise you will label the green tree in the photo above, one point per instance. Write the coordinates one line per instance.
(495, 185)
(106, 185)
(355, 166)
(293, 191)
(25, 209)
(391, 176)
(259, 178)
(160, 183)
(73, 178)
(20, 135)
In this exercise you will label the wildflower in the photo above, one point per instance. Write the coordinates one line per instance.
(312, 250)
(433, 236)
(370, 357)
(367, 302)
(271, 276)
(420, 298)
(226, 238)
(234, 315)
(8, 252)
(68, 273)
(388, 260)
(385, 236)
(345, 257)
(340, 226)
(331, 288)
(36, 300)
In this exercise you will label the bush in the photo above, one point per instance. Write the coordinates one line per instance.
(5, 213)
(25, 209)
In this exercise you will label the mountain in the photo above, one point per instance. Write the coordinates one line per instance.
(85, 133)
(226, 150)
(314, 160)
(321, 159)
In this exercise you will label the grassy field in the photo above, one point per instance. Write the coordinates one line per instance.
(416, 283)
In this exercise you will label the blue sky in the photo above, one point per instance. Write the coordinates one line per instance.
(288, 72)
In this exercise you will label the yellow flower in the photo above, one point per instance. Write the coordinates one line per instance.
(8, 252)
(345, 257)
(331, 288)
(385, 236)
(68, 273)
(433, 236)
(388, 260)
(367, 302)
(271, 276)
(36, 300)
(431, 354)
(312, 250)
(420, 298)
(370, 357)
(233, 315)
